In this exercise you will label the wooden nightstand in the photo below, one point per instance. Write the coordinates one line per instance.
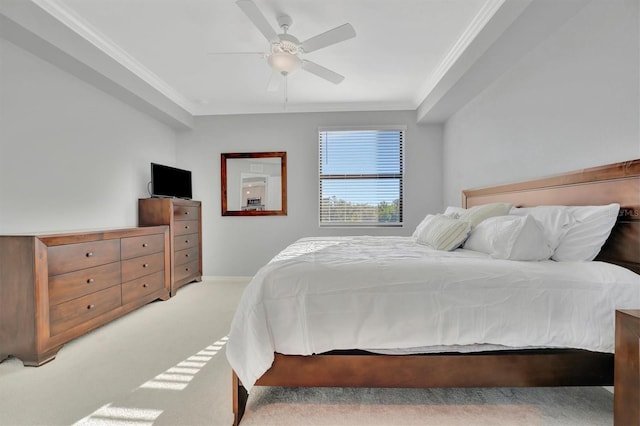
(626, 397)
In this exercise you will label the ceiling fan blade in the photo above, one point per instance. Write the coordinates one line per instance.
(336, 35)
(253, 13)
(322, 72)
(274, 81)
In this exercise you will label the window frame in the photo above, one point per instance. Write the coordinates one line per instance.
(400, 128)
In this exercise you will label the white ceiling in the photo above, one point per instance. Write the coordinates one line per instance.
(400, 49)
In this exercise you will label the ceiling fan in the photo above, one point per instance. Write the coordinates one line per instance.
(284, 55)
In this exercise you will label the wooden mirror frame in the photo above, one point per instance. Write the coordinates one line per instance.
(283, 180)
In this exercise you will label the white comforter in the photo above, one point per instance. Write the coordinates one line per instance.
(379, 293)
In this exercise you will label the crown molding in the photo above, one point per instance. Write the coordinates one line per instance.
(84, 29)
(513, 31)
(228, 109)
(479, 21)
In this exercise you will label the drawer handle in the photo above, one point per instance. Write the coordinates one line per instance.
(144, 285)
(186, 241)
(144, 265)
(90, 281)
(90, 307)
(186, 213)
(186, 269)
(186, 255)
(186, 227)
(145, 245)
(89, 254)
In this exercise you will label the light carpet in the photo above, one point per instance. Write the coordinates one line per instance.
(164, 364)
(446, 407)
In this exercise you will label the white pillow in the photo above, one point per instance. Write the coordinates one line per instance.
(453, 212)
(477, 214)
(442, 232)
(588, 233)
(555, 221)
(422, 225)
(510, 237)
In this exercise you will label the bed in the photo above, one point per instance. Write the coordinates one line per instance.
(582, 364)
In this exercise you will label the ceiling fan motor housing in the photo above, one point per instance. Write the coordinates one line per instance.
(287, 43)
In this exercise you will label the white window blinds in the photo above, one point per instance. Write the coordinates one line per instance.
(361, 173)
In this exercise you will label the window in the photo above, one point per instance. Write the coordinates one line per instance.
(361, 173)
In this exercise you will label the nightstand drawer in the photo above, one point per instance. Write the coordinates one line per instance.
(141, 266)
(182, 242)
(77, 311)
(186, 227)
(185, 256)
(186, 270)
(185, 212)
(79, 283)
(73, 257)
(140, 246)
(140, 287)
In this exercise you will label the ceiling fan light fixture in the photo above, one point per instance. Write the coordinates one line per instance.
(284, 63)
(285, 49)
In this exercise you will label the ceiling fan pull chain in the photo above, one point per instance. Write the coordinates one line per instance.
(286, 99)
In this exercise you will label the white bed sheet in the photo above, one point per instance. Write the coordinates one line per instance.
(383, 293)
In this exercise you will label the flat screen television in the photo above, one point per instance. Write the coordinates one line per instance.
(170, 182)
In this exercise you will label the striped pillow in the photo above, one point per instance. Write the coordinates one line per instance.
(443, 233)
(477, 214)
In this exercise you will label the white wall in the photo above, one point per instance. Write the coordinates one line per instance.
(238, 246)
(71, 156)
(74, 157)
(572, 102)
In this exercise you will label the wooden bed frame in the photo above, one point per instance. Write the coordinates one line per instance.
(619, 182)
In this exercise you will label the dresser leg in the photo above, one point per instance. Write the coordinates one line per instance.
(36, 360)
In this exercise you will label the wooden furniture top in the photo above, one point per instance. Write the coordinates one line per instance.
(57, 238)
(631, 312)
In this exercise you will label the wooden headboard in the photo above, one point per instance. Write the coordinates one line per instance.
(613, 183)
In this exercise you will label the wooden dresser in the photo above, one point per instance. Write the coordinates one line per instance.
(185, 234)
(54, 288)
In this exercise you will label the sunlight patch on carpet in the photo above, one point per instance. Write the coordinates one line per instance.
(174, 378)
(170, 381)
(109, 415)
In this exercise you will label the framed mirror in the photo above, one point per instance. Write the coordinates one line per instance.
(254, 183)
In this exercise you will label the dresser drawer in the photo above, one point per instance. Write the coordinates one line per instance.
(186, 256)
(185, 212)
(72, 257)
(141, 266)
(77, 311)
(186, 270)
(132, 290)
(186, 227)
(182, 242)
(79, 283)
(140, 246)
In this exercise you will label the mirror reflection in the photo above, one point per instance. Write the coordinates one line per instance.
(253, 184)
